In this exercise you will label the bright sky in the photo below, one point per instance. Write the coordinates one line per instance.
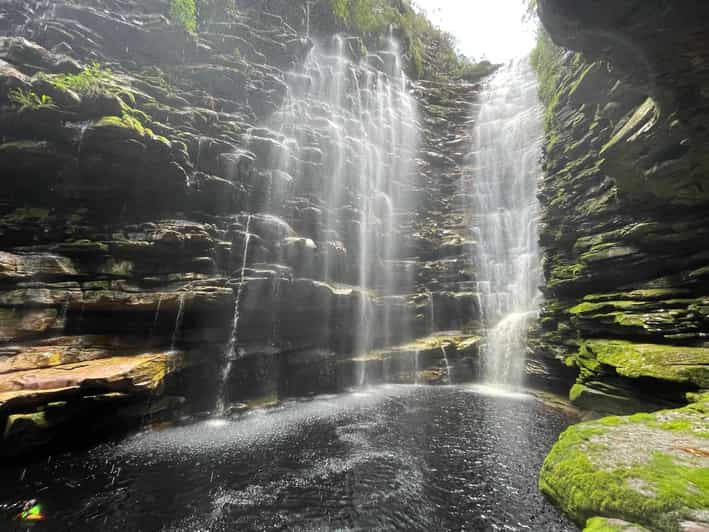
(491, 29)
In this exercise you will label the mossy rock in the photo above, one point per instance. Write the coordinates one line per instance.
(603, 397)
(129, 127)
(650, 469)
(601, 524)
(676, 364)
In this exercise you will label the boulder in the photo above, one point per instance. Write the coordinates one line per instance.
(649, 469)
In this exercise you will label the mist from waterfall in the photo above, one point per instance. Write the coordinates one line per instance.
(348, 132)
(504, 178)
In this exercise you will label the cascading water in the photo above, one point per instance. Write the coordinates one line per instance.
(348, 132)
(504, 179)
(178, 322)
(156, 319)
(230, 352)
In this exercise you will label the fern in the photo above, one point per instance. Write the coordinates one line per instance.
(31, 100)
(91, 80)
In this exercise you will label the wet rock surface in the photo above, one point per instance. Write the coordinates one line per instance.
(649, 469)
(620, 265)
(144, 196)
(624, 197)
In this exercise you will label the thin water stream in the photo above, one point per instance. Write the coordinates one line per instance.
(231, 349)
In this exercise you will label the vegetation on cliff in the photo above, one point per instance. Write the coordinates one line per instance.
(545, 59)
(430, 53)
(184, 12)
(431, 50)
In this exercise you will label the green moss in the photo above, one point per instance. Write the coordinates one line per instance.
(627, 320)
(27, 215)
(35, 419)
(93, 79)
(601, 524)
(430, 51)
(580, 79)
(681, 421)
(612, 467)
(132, 124)
(605, 251)
(649, 294)
(665, 362)
(611, 421)
(266, 401)
(122, 122)
(566, 272)
(700, 400)
(545, 59)
(184, 13)
(576, 392)
(589, 308)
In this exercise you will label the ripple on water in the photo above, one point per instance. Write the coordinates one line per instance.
(395, 458)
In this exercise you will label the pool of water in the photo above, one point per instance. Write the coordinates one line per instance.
(412, 458)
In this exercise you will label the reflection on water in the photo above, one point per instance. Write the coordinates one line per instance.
(393, 458)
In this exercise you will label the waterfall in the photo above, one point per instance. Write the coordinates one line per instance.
(178, 322)
(230, 352)
(417, 368)
(348, 133)
(504, 180)
(156, 318)
(449, 376)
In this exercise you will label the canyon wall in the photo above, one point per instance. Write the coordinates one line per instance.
(172, 233)
(625, 221)
(625, 227)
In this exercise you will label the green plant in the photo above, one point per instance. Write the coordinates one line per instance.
(184, 13)
(31, 100)
(545, 59)
(134, 113)
(429, 51)
(91, 80)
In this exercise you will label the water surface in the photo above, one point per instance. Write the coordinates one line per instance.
(390, 458)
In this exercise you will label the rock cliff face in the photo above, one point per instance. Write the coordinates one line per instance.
(146, 211)
(625, 217)
(625, 232)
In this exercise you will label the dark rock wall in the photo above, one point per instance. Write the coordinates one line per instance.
(128, 182)
(625, 201)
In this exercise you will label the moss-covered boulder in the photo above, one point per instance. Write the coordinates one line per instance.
(679, 364)
(650, 469)
(624, 377)
(601, 524)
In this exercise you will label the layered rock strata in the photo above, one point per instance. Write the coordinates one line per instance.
(625, 217)
(142, 206)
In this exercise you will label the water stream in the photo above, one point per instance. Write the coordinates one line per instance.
(178, 321)
(231, 350)
(504, 179)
